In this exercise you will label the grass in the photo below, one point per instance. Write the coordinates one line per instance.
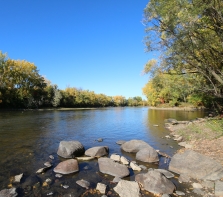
(210, 129)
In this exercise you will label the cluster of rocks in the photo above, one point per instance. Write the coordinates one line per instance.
(189, 165)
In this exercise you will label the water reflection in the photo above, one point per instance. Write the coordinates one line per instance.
(29, 137)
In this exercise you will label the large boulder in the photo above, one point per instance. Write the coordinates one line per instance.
(67, 167)
(127, 188)
(133, 146)
(155, 182)
(97, 151)
(70, 149)
(109, 166)
(147, 154)
(196, 166)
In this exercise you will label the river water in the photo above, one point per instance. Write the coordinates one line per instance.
(27, 138)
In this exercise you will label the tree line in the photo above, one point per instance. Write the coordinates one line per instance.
(21, 86)
(189, 36)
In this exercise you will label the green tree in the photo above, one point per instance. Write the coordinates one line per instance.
(189, 35)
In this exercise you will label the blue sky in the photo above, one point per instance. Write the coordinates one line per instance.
(94, 45)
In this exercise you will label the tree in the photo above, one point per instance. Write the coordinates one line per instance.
(189, 35)
(21, 84)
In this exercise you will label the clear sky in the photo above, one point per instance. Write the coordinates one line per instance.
(94, 45)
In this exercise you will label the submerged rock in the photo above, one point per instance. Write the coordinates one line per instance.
(108, 166)
(8, 192)
(97, 151)
(83, 183)
(67, 167)
(120, 142)
(127, 188)
(196, 166)
(155, 182)
(70, 149)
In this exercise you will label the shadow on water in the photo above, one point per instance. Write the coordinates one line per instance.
(28, 138)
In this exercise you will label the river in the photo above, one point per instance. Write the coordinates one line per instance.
(27, 138)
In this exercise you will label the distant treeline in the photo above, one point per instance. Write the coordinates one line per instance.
(21, 86)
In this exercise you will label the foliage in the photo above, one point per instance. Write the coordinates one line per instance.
(21, 84)
(189, 35)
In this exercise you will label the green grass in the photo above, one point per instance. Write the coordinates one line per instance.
(210, 129)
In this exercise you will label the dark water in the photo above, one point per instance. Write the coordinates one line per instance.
(27, 138)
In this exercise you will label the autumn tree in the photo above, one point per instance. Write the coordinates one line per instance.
(189, 35)
(21, 84)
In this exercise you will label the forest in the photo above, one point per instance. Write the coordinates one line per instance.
(21, 86)
(188, 34)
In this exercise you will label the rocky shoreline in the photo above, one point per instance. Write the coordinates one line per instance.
(202, 173)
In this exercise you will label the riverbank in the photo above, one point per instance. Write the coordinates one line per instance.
(178, 108)
(204, 136)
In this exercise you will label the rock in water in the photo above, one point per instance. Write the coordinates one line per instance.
(127, 188)
(97, 151)
(147, 154)
(108, 166)
(155, 182)
(101, 188)
(83, 183)
(196, 166)
(67, 167)
(133, 146)
(70, 149)
(8, 192)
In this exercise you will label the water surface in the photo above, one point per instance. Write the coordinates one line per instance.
(27, 138)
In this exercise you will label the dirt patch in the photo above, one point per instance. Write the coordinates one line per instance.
(205, 136)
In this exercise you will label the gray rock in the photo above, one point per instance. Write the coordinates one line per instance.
(108, 166)
(155, 182)
(147, 154)
(70, 149)
(219, 188)
(67, 167)
(143, 167)
(198, 191)
(48, 164)
(182, 144)
(133, 146)
(183, 178)
(8, 192)
(180, 193)
(208, 184)
(100, 140)
(127, 188)
(18, 178)
(51, 157)
(196, 166)
(197, 186)
(115, 157)
(97, 151)
(83, 183)
(120, 142)
(166, 173)
(101, 188)
(124, 160)
(165, 195)
(116, 179)
(134, 166)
